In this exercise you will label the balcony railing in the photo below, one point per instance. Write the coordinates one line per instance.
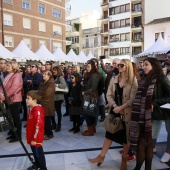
(105, 43)
(136, 10)
(105, 17)
(125, 53)
(136, 25)
(104, 30)
(114, 40)
(114, 54)
(137, 39)
(112, 0)
(136, 52)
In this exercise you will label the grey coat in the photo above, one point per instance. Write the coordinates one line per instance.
(61, 84)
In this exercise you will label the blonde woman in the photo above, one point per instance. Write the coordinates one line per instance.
(126, 85)
(13, 85)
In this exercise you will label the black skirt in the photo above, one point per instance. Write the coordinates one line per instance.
(118, 137)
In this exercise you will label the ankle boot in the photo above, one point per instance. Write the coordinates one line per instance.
(94, 128)
(123, 163)
(88, 132)
(99, 160)
(102, 112)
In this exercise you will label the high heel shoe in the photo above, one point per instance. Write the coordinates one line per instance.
(99, 160)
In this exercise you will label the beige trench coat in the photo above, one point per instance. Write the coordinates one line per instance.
(129, 92)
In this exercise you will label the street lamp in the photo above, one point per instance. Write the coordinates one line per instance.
(54, 33)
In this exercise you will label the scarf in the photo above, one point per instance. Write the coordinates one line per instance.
(141, 122)
(7, 78)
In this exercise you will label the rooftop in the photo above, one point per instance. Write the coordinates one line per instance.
(160, 20)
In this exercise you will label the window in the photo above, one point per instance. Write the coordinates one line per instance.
(9, 42)
(114, 51)
(42, 26)
(8, 19)
(127, 22)
(41, 8)
(137, 7)
(116, 10)
(95, 41)
(157, 35)
(42, 42)
(7, 1)
(96, 53)
(122, 8)
(27, 42)
(137, 36)
(56, 45)
(125, 50)
(127, 7)
(114, 38)
(127, 37)
(56, 13)
(122, 23)
(26, 4)
(27, 23)
(116, 24)
(122, 37)
(57, 30)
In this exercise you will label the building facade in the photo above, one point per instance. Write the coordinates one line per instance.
(34, 21)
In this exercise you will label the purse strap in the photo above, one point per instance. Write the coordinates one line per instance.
(118, 96)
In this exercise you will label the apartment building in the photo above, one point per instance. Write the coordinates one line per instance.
(34, 21)
(123, 24)
(91, 40)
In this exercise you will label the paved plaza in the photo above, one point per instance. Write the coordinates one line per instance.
(68, 151)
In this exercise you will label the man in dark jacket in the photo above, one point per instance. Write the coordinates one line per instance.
(31, 82)
(3, 71)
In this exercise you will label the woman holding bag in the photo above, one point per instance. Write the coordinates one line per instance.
(126, 85)
(59, 96)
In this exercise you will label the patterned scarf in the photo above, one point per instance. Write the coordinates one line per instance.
(141, 121)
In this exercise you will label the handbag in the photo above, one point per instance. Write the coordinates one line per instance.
(89, 105)
(60, 90)
(113, 122)
(73, 110)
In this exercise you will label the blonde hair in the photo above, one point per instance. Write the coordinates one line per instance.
(15, 66)
(129, 71)
(77, 69)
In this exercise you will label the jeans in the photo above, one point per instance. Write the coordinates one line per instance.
(58, 110)
(39, 157)
(48, 127)
(156, 127)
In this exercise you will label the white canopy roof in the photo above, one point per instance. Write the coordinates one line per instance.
(24, 53)
(164, 51)
(60, 55)
(156, 47)
(83, 57)
(6, 54)
(44, 53)
(90, 56)
(73, 57)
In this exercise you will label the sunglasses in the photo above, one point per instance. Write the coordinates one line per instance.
(121, 65)
(32, 66)
(72, 77)
(167, 56)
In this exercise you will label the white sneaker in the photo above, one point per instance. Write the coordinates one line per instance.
(165, 157)
(154, 150)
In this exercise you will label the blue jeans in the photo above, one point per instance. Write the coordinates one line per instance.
(156, 127)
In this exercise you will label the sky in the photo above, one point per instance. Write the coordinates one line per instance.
(80, 6)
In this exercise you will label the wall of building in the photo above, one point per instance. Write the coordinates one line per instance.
(155, 9)
(150, 30)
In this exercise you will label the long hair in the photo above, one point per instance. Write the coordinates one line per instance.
(156, 71)
(129, 71)
(93, 69)
(14, 65)
(59, 71)
(135, 70)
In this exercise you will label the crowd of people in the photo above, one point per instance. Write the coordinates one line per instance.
(142, 89)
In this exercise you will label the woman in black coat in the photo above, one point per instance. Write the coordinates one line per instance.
(75, 101)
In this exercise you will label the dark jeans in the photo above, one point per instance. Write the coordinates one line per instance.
(144, 153)
(48, 127)
(24, 107)
(15, 109)
(39, 157)
(76, 121)
(58, 110)
(90, 120)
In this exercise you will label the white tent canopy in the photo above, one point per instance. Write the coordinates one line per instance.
(60, 55)
(6, 54)
(164, 51)
(24, 53)
(83, 57)
(90, 56)
(44, 53)
(73, 57)
(156, 47)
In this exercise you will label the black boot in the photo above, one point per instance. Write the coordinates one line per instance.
(58, 128)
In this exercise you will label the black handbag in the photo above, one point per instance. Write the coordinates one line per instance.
(113, 122)
(89, 106)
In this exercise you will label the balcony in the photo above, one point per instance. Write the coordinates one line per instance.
(137, 11)
(105, 17)
(105, 31)
(137, 39)
(136, 1)
(136, 52)
(137, 27)
(104, 3)
(114, 40)
(114, 54)
(105, 43)
(87, 46)
(68, 9)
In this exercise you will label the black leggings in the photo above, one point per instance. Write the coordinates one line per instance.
(58, 110)
(144, 153)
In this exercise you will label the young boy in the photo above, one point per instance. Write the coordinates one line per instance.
(35, 129)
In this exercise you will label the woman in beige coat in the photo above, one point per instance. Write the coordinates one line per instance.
(126, 84)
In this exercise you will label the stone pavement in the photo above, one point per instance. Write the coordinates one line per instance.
(68, 151)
